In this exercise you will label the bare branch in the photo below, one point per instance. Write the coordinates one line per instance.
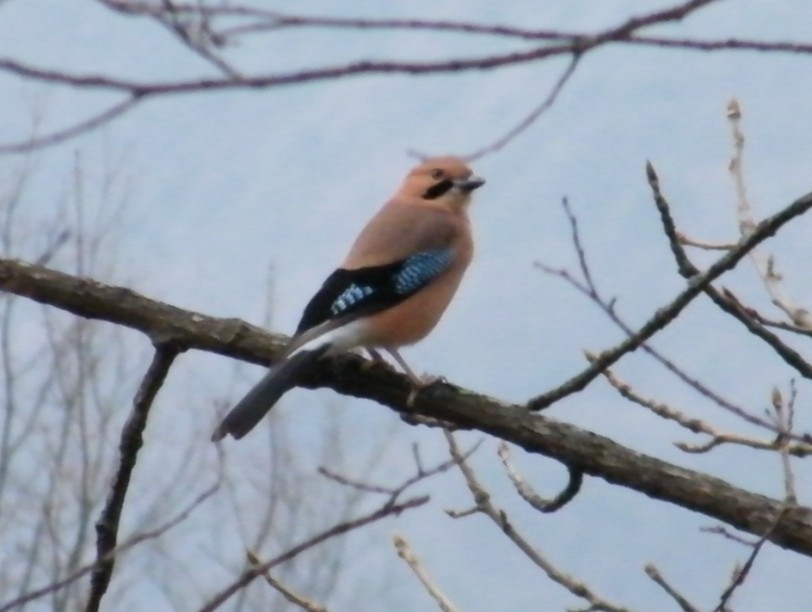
(740, 575)
(685, 605)
(763, 263)
(483, 502)
(196, 35)
(129, 445)
(167, 12)
(698, 283)
(759, 318)
(784, 416)
(708, 246)
(595, 454)
(576, 478)
(82, 127)
(588, 287)
(689, 271)
(339, 529)
(722, 44)
(800, 449)
(533, 116)
(195, 26)
(406, 553)
(395, 492)
(291, 596)
(262, 20)
(728, 535)
(120, 549)
(271, 21)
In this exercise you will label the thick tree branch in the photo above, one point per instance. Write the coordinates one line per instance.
(591, 453)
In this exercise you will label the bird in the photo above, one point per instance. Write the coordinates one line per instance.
(391, 290)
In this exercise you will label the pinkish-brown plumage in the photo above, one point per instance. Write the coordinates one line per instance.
(408, 224)
(391, 290)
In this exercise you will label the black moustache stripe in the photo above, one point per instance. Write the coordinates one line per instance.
(435, 191)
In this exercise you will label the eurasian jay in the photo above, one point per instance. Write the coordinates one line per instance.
(391, 289)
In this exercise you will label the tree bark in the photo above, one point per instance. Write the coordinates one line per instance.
(591, 453)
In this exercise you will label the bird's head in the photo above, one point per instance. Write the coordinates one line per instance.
(444, 182)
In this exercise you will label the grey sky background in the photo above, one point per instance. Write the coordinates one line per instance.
(226, 186)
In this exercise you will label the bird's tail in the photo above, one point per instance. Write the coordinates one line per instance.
(259, 400)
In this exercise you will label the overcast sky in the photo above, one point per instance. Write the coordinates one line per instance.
(223, 187)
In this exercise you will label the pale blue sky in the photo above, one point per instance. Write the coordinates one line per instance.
(226, 184)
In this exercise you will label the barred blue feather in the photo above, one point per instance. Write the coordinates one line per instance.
(352, 295)
(420, 268)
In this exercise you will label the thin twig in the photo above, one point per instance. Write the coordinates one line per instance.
(663, 316)
(483, 504)
(291, 596)
(588, 287)
(740, 574)
(728, 535)
(784, 417)
(689, 271)
(421, 473)
(406, 553)
(523, 488)
(194, 38)
(139, 91)
(685, 605)
(533, 116)
(339, 529)
(717, 438)
(118, 551)
(63, 135)
(765, 265)
(707, 246)
(760, 318)
(271, 21)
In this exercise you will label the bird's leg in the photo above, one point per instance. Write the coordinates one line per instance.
(418, 382)
(375, 359)
(375, 355)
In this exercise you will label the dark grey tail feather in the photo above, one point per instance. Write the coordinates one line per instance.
(259, 400)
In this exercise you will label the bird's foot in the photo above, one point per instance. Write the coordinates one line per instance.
(418, 384)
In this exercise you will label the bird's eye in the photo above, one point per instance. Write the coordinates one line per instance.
(437, 174)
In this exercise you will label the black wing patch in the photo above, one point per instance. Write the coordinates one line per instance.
(366, 290)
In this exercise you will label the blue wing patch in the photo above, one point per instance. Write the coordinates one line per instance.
(375, 288)
(350, 296)
(420, 268)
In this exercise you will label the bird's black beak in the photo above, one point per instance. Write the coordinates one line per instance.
(470, 184)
